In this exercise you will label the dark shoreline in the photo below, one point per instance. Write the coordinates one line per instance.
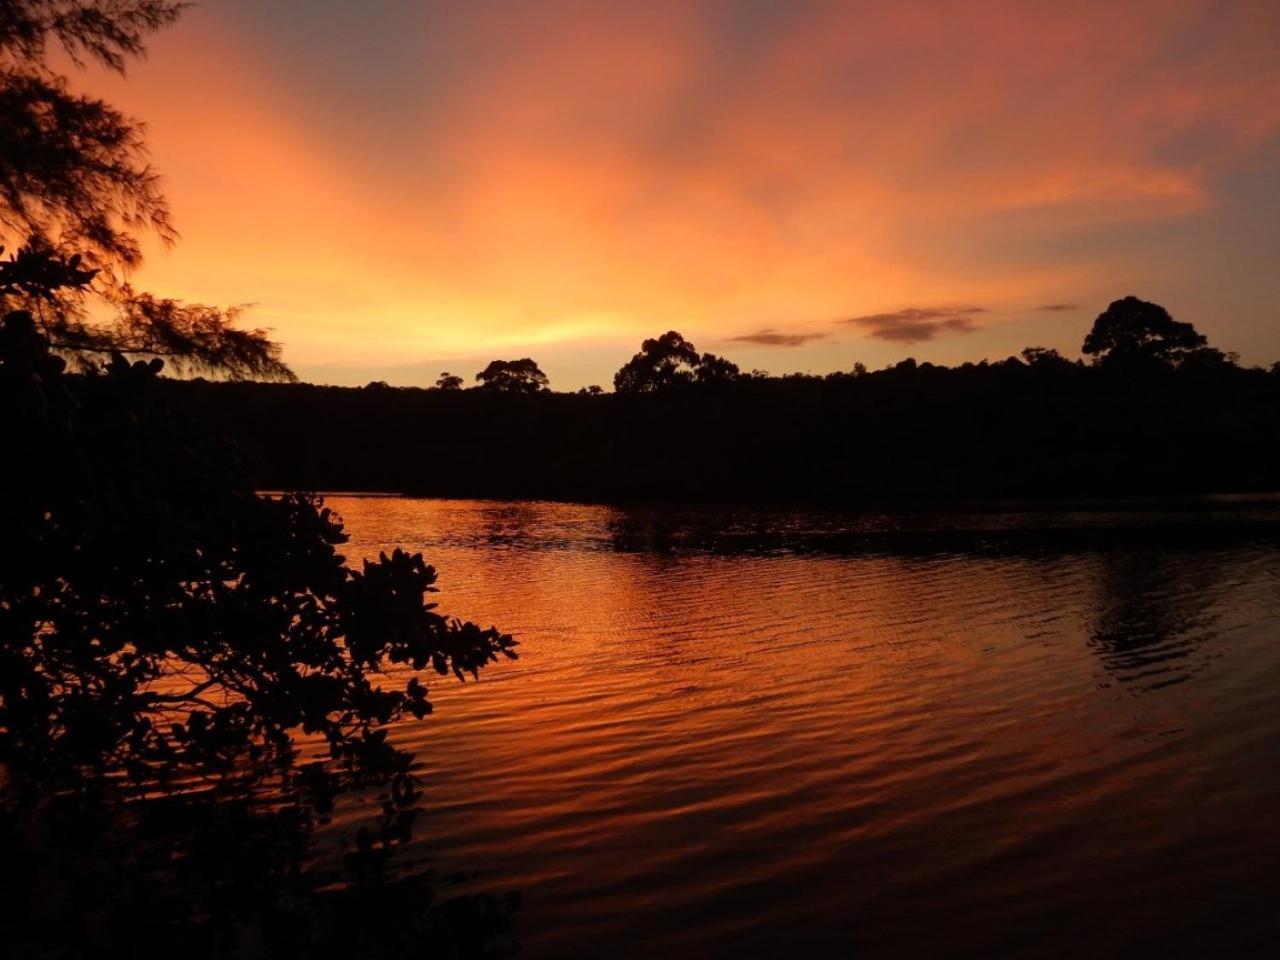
(1021, 530)
(1190, 503)
(988, 437)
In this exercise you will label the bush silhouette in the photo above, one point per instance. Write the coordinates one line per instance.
(189, 675)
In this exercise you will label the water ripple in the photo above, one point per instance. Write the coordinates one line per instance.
(749, 736)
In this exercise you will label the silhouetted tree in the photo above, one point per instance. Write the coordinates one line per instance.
(166, 632)
(713, 369)
(161, 620)
(668, 361)
(169, 640)
(75, 183)
(1044, 356)
(594, 390)
(661, 363)
(449, 381)
(1133, 331)
(513, 376)
(73, 168)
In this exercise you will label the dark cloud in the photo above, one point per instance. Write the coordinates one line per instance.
(1058, 307)
(917, 324)
(772, 338)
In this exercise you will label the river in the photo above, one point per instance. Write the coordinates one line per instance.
(759, 734)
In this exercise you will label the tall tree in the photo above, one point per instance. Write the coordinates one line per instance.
(1132, 331)
(669, 361)
(662, 362)
(76, 185)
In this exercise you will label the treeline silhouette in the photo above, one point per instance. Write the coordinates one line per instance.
(1156, 412)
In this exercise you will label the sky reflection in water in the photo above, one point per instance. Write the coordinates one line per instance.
(735, 734)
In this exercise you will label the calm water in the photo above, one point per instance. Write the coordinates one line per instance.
(758, 735)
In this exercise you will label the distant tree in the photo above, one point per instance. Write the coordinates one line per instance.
(377, 385)
(513, 376)
(1133, 331)
(669, 361)
(1044, 357)
(714, 369)
(859, 370)
(592, 391)
(449, 381)
(662, 362)
(76, 189)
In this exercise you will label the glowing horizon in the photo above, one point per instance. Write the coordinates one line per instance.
(404, 189)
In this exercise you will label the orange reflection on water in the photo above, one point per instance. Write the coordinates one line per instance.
(712, 741)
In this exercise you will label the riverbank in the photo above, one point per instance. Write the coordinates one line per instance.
(895, 439)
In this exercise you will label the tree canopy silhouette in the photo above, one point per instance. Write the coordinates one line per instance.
(1039, 425)
(449, 381)
(169, 640)
(668, 361)
(714, 369)
(75, 182)
(513, 376)
(161, 620)
(1132, 331)
(192, 670)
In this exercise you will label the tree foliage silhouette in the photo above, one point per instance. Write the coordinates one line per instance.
(169, 640)
(714, 369)
(669, 361)
(1132, 331)
(75, 182)
(161, 620)
(1043, 357)
(449, 381)
(168, 636)
(1036, 425)
(513, 376)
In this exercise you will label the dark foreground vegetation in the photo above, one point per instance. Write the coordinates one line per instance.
(191, 675)
(1153, 413)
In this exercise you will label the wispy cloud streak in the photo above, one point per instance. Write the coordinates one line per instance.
(917, 324)
(772, 338)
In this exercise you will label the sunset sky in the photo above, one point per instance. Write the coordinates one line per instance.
(408, 187)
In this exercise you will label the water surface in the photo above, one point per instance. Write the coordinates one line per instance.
(748, 734)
